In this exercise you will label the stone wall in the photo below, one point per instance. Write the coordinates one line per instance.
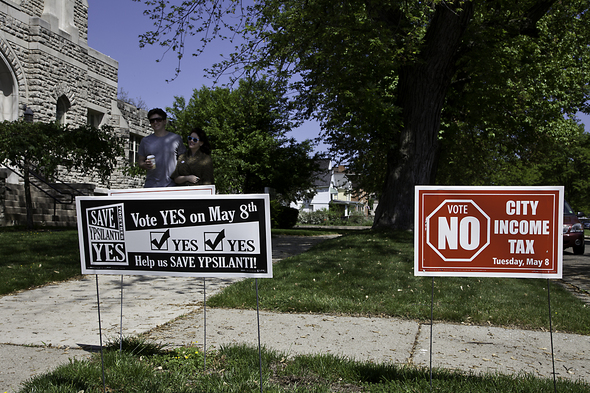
(81, 19)
(32, 7)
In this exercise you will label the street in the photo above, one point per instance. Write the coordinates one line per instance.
(576, 271)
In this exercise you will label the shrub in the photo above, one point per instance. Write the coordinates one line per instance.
(333, 217)
(283, 217)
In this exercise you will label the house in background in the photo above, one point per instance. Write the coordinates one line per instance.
(323, 189)
(333, 187)
(347, 197)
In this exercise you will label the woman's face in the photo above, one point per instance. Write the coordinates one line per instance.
(194, 143)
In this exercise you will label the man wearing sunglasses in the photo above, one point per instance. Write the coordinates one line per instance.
(164, 146)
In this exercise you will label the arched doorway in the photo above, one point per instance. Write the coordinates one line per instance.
(8, 92)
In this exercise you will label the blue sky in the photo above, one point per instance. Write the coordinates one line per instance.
(113, 29)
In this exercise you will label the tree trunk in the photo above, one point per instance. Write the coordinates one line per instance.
(28, 199)
(422, 90)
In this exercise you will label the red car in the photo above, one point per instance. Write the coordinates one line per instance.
(573, 231)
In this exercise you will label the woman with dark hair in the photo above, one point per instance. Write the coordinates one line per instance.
(195, 166)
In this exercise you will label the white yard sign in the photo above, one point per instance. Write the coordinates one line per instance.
(171, 235)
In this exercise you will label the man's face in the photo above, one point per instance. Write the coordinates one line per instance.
(157, 122)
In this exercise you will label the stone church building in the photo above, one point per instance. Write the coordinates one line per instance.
(48, 71)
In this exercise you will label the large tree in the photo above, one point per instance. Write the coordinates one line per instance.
(391, 79)
(247, 128)
(46, 147)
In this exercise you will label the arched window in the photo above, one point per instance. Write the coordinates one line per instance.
(8, 93)
(63, 105)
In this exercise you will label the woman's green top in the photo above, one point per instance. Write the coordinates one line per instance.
(199, 165)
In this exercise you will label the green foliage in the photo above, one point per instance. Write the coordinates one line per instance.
(49, 145)
(406, 89)
(188, 359)
(348, 64)
(525, 134)
(283, 217)
(42, 147)
(319, 217)
(136, 345)
(247, 130)
(311, 231)
(185, 359)
(541, 161)
(333, 217)
(134, 170)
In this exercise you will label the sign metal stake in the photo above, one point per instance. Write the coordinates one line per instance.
(204, 326)
(551, 334)
(258, 323)
(121, 320)
(104, 385)
(431, 323)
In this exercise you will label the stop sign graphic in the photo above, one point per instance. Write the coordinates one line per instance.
(458, 230)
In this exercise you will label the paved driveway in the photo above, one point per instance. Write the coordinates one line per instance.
(576, 273)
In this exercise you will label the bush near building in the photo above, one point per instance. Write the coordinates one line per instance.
(333, 217)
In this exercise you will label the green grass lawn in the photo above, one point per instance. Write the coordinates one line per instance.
(371, 273)
(37, 257)
(146, 367)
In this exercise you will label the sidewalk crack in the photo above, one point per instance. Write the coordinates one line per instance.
(415, 344)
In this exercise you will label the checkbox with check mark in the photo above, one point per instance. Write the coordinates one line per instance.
(214, 240)
(159, 240)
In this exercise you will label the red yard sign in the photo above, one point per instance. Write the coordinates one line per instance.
(488, 231)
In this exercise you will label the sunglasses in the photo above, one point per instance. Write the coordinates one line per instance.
(190, 138)
(156, 119)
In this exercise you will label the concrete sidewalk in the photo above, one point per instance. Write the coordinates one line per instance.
(42, 328)
(469, 348)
